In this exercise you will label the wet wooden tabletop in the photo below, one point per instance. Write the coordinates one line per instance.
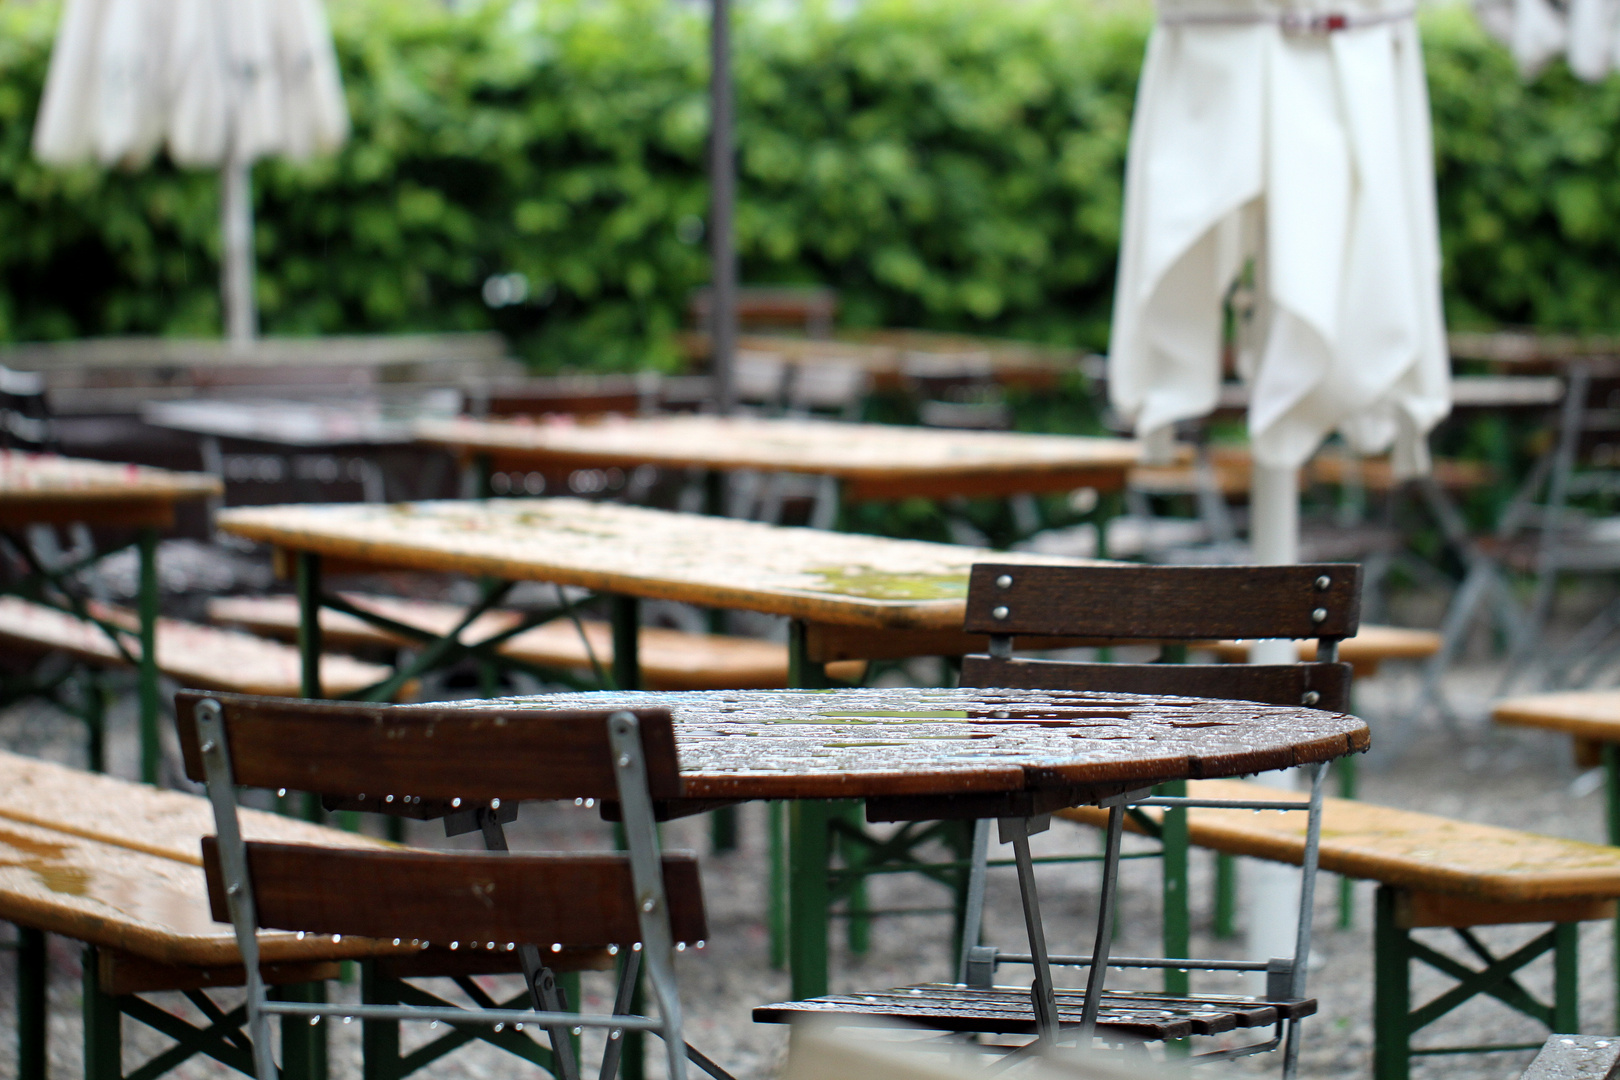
(869, 743)
(873, 459)
(55, 489)
(830, 577)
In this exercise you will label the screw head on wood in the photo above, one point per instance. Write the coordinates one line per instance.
(1004, 581)
(1311, 698)
(1323, 582)
(999, 613)
(1319, 615)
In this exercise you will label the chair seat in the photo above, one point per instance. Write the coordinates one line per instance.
(1007, 1010)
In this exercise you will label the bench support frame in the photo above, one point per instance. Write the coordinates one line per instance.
(1395, 1021)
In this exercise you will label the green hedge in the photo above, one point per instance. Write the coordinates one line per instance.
(943, 163)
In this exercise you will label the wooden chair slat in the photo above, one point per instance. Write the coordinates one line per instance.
(341, 749)
(1172, 603)
(1269, 684)
(472, 898)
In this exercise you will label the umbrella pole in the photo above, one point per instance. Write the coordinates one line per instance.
(722, 197)
(236, 265)
(1273, 889)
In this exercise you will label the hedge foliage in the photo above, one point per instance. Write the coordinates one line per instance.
(944, 163)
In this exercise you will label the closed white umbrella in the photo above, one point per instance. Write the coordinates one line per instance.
(1292, 137)
(1586, 32)
(218, 83)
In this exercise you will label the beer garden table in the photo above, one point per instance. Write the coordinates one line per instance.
(930, 754)
(45, 489)
(869, 461)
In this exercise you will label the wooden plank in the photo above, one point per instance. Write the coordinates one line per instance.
(490, 899)
(1165, 602)
(50, 489)
(1414, 909)
(1576, 1057)
(503, 751)
(1320, 686)
(107, 810)
(670, 659)
(828, 643)
(126, 973)
(1406, 849)
(144, 904)
(193, 655)
(875, 460)
(1365, 651)
(810, 574)
(903, 742)
(1589, 715)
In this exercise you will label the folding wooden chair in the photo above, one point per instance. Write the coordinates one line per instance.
(1114, 605)
(433, 761)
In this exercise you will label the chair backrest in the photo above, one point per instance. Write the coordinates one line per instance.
(1167, 604)
(429, 761)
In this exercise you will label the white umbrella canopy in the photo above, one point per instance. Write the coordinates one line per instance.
(217, 83)
(1296, 136)
(1585, 32)
(1291, 136)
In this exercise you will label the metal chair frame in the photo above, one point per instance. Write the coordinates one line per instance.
(655, 952)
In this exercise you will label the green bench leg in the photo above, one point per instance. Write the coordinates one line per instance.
(147, 608)
(1226, 886)
(723, 829)
(379, 1039)
(776, 902)
(303, 1045)
(33, 1007)
(858, 926)
(1392, 992)
(1395, 1021)
(1346, 767)
(310, 647)
(103, 1026)
(626, 616)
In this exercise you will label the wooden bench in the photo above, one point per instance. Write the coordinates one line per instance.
(670, 659)
(1432, 872)
(206, 657)
(1370, 647)
(192, 655)
(118, 867)
(1576, 1057)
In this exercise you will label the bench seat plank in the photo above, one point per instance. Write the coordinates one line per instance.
(1402, 848)
(1371, 646)
(138, 817)
(205, 657)
(670, 659)
(119, 898)
(1586, 714)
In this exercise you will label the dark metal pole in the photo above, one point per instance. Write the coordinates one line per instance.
(722, 203)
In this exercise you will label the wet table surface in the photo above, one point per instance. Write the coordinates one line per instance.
(51, 488)
(812, 574)
(874, 460)
(869, 743)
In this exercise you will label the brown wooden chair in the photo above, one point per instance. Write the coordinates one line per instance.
(1113, 605)
(466, 764)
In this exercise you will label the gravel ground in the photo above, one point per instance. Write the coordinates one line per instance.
(1467, 770)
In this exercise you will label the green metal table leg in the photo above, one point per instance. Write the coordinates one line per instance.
(808, 922)
(95, 722)
(803, 673)
(33, 1008)
(1226, 884)
(858, 925)
(1177, 916)
(1566, 1010)
(626, 642)
(1346, 768)
(151, 749)
(303, 1045)
(310, 647)
(1611, 789)
(723, 829)
(379, 1039)
(103, 1026)
(777, 907)
(483, 472)
(1392, 992)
